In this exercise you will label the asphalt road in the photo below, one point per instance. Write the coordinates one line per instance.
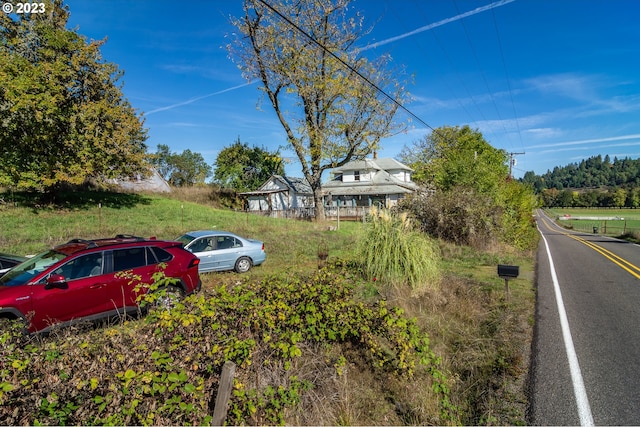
(586, 350)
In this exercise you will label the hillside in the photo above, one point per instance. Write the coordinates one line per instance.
(594, 172)
(312, 346)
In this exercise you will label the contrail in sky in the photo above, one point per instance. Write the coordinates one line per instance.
(437, 24)
(371, 46)
(192, 100)
(584, 141)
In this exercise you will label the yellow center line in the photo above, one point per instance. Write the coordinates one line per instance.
(619, 261)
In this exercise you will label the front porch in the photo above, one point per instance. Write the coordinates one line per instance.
(332, 213)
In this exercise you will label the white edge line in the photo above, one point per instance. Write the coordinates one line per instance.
(579, 390)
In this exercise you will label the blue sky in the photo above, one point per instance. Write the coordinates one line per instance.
(556, 79)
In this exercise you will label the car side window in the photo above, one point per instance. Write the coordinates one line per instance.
(203, 244)
(225, 242)
(126, 259)
(81, 267)
(160, 255)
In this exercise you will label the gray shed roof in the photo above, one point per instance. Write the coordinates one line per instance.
(297, 185)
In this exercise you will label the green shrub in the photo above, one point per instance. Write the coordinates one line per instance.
(392, 252)
(163, 370)
(460, 216)
(465, 217)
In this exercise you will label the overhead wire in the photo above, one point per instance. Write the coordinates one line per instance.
(351, 68)
(428, 57)
(461, 81)
(506, 72)
(482, 73)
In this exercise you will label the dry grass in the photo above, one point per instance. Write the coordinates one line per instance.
(484, 339)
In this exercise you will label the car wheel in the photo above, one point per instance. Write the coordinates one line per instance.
(243, 265)
(168, 297)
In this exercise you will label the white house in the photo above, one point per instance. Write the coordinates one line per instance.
(280, 193)
(355, 185)
(369, 182)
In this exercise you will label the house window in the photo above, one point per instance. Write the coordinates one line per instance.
(356, 175)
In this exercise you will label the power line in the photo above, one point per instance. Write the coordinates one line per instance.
(482, 73)
(504, 65)
(317, 43)
(324, 48)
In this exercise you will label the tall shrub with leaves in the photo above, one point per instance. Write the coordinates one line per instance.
(517, 225)
(461, 216)
(394, 252)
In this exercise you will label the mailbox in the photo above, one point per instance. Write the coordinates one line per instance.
(508, 271)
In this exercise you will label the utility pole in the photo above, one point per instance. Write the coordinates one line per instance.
(512, 162)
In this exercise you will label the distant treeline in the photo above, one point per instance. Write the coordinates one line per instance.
(594, 182)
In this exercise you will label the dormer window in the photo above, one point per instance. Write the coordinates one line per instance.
(356, 175)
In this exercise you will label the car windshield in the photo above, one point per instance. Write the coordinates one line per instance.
(26, 271)
(185, 239)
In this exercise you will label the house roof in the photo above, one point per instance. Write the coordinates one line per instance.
(369, 189)
(386, 164)
(299, 185)
(154, 183)
(294, 184)
(383, 183)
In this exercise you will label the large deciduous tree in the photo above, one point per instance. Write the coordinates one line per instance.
(63, 117)
(453, 156)
(330, 112)
(475, 201)
(245, 168)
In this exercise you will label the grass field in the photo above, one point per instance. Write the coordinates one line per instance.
(628, 224)
(289, 244)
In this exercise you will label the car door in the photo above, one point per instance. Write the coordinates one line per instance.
(129, 271)
(203, 248)
(225, 252)
(79, 295)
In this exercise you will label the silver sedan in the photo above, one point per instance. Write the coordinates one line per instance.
(221, 250)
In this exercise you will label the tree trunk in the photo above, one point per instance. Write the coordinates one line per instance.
(319, 204)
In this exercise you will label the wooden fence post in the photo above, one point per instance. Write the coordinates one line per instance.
(224, 393)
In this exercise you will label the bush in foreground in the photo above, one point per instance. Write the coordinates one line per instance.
(164, 369)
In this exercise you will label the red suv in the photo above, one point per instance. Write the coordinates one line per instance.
(93, 279)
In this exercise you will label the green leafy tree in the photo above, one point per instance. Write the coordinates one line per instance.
(619, 198)
(331, 113)
(182, 170)
(189, 169)
(456, 157)
(62, 112)
(245, 168)
(162, 160)
(475, 201)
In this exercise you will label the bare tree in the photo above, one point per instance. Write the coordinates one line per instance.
(324, 92)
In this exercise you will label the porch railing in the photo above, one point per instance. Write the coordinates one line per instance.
(352, 213)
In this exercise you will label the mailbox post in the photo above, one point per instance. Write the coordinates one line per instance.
(507, 272)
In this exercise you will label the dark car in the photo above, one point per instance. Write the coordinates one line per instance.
(9, 261)
(221, 250)
(93, 279)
